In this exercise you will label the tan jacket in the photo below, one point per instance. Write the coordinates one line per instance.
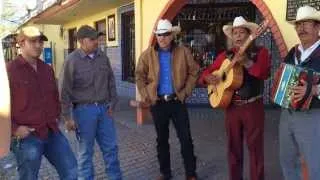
(185, 73)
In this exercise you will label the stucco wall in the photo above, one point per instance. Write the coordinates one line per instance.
(53, 34)
(149, 11)
(113, 49)
(146, 14)
(278, 11)
(90, 20)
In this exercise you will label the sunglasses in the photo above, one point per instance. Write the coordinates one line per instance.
(164, 34)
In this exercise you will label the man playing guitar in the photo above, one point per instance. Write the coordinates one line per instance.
(245, 114)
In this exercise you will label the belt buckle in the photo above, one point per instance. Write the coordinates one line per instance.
(166, 97)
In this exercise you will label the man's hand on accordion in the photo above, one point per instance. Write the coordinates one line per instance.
(300, 90)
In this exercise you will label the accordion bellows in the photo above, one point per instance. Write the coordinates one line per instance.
(286, 77)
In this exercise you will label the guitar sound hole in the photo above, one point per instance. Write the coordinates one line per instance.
(224, 76)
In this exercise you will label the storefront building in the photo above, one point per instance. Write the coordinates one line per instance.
(113, 18)
(128, 25)
(202, 20)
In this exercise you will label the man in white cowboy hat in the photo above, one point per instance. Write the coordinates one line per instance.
(299, 131)
(165, 76)
(245, 114)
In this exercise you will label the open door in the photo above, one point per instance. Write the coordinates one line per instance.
(128, 46)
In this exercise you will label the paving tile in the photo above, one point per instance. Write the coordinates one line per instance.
(137, 148)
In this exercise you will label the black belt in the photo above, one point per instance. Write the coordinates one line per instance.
(167, 97)
(96, 103)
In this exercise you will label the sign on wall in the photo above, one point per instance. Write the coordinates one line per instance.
(293, 5)
(47, 54)
(111, 28)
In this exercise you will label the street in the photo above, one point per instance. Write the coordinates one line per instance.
(137, 148)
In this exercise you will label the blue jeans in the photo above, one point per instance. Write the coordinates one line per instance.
(55, 148)
(94, 123)
(299, 135)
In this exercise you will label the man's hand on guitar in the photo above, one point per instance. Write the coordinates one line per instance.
(212, 79)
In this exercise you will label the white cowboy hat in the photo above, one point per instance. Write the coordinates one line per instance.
(164, 26)
(306, 13)
(239, 22)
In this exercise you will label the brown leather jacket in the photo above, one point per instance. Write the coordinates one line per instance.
(184, 71)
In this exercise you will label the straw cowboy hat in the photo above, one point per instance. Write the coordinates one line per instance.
(30, 32)
(239, 22)
(165, 26)
(306, 13)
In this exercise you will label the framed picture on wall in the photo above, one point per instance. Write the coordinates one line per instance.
(111, 28)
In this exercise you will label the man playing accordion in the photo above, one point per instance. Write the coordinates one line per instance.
(299, 131)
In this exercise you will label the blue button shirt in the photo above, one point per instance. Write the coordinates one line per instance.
(165, 81)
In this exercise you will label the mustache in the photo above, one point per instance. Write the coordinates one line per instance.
(302, 33)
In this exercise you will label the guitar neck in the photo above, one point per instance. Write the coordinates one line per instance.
(245, 45)
(242, 49)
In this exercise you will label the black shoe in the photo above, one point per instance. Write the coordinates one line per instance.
(162, 177)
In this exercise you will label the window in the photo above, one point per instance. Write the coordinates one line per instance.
(202, 24)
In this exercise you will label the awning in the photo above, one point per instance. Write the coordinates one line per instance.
(71, 10)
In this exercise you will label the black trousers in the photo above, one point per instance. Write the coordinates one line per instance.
(162, 112)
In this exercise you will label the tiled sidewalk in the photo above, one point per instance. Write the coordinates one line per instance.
(137, 148)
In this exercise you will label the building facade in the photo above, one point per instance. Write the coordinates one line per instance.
(128, 25)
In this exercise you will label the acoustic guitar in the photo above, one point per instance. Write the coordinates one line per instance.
(231, 74)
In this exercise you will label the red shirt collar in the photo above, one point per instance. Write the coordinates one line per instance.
(22, 61)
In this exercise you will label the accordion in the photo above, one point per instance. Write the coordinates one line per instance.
(289, 76)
